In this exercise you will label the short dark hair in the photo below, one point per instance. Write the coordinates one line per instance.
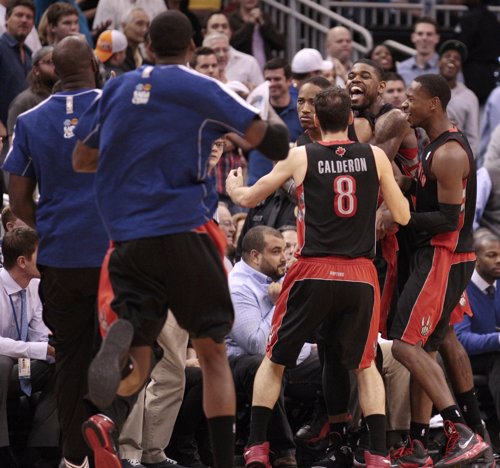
(59, 9)
(213, 13)
(7, 216)
(393, 76)
(254, 239)
(484, 235)
(319, 81)
(20, 242)
(426, 20)
(198, 52)
(171, 33)
(27, 3)
(277, 63)
(378, 69)
(333, 108)
(435, 86)
(287, 227)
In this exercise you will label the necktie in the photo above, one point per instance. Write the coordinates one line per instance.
(24, 382)
(490, 291)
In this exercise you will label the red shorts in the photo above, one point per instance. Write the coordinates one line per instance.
(338, 296)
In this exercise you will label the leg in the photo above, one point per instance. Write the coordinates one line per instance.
(219, 400)
(164, 392)
(6, 365)
(494, 381)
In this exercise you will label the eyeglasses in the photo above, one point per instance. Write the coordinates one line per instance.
(219, 144)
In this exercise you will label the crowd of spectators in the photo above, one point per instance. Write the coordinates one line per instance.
(240, 47)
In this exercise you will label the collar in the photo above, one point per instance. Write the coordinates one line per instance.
(253, 273)
(480, 282)
(431, 63)
(10, 286)
(10, 40)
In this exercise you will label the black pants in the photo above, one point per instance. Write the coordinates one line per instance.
(45, 427)
(69, 297)
(489, 364)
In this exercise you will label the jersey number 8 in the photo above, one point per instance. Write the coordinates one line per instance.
(345, 202)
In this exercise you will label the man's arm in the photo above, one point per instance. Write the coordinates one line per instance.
(391, 130)
(476, 343)
(85, 158)
(24, 349)
(393, 197)
(21, 190)
(450, 165)
(249, 197)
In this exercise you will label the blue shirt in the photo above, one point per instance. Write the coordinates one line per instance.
(70, 229)
(490, 120)
(253, 313)
(154, 128)
(258, 164)
(12, 72)
(480, 333)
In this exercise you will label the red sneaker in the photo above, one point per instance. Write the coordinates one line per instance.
(462, 445)
(100, 434)
(257, 456)
(373, 460)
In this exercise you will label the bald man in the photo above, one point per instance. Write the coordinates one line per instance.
(338, 48)
(69, 263)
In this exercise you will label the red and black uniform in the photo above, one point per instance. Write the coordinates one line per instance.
(334, 283)
(443, 263)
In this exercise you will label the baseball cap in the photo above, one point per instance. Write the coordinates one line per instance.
(306, 61)
(110, 42)
(453, 44)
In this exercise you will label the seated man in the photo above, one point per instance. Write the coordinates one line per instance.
(480, 334)
(254, 288)
(24, 349)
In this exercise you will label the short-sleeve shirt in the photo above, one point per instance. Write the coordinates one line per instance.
(154, 128)
(71, 232)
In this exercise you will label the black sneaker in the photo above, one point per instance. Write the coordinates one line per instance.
(412, 455)
(105, 371)
(314, 430)
(462, 445)
(336, 457)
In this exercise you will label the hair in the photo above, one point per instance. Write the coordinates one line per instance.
(319, 81)
(277, 63)
(426, 20)
(59, 9)
(237, 217)
(254, 239)
(372, 50)
(371, 63)
(435, 86)
(213, 13)
(393, 76)
(198, 52)
(7, 216)
(171, 33)
(287, 227)
(214, 36)
(26, 3)
(128, 16)
(20, 242)
(333, 108)
(484, 235)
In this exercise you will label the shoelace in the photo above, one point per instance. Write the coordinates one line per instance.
(453, 437)
(402, 451)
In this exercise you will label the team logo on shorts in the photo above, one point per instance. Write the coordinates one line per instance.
(69, 127)
(141, 94)
(426, 326)
(340, 151)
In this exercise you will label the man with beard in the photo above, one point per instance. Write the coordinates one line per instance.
(254, 286)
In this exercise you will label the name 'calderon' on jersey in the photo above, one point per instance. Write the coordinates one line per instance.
(346, 165)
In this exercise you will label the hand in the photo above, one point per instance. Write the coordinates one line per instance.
(384, 222)
(193, 362)
(234, 180)
(274, 290)
(51, 351)
(256, 15)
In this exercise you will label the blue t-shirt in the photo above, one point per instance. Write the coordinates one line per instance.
(154, 128)
(71, 232)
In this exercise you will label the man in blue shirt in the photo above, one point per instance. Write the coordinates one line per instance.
(278, 73)
(15, 57)
(72, 237)
(149, 136)
(480, 334)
